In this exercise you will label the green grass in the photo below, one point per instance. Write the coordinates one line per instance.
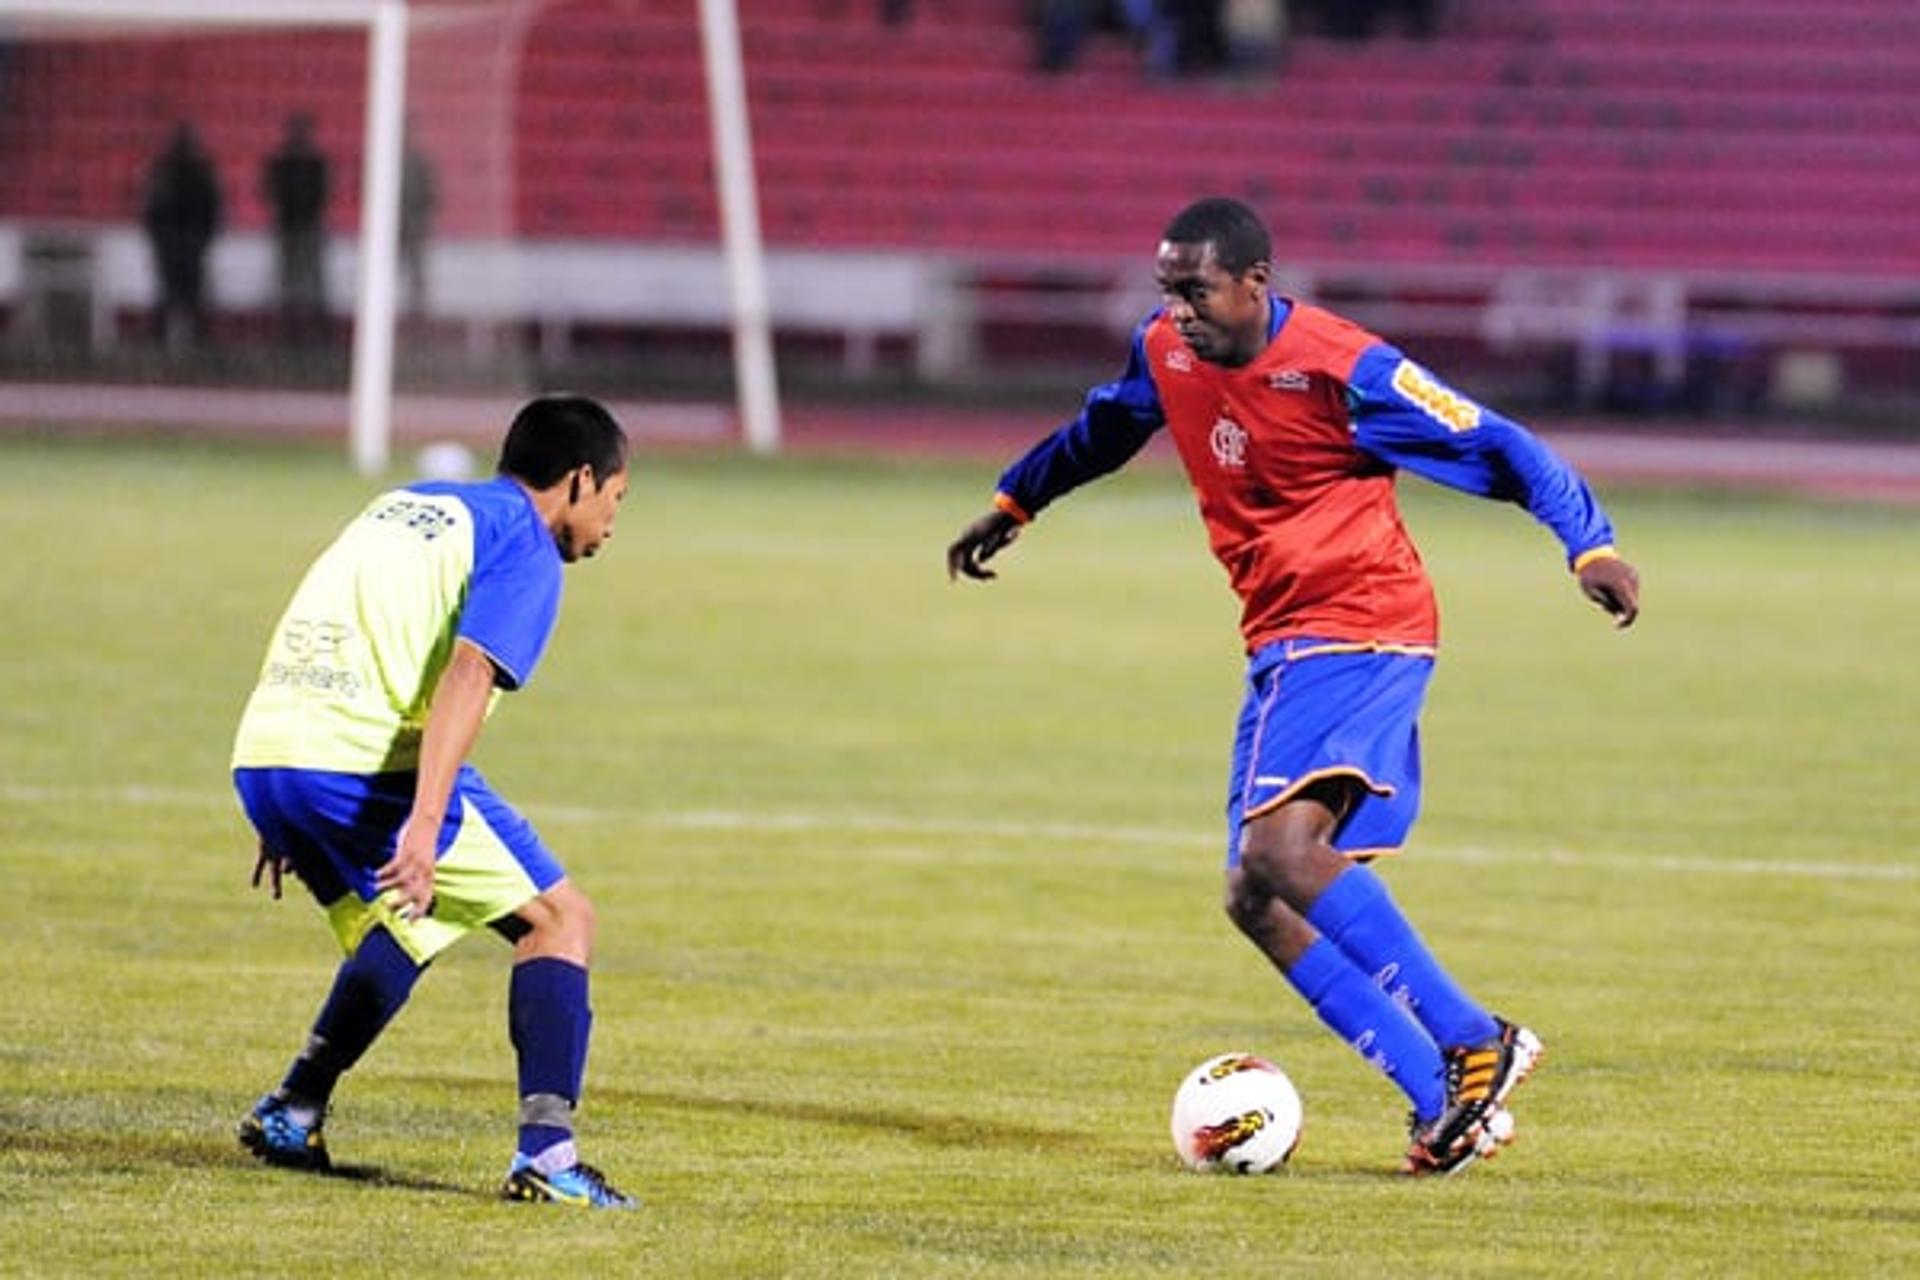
(909, 895)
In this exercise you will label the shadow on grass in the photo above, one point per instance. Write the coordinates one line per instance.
(935, 1130)
(136, 1152)
(944, 1131)
(140, 1153)
(374, 1175)
(932, 1129)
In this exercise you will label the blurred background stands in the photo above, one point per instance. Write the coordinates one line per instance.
(1696, 206)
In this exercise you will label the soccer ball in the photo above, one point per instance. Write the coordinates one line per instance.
(1236, 1113)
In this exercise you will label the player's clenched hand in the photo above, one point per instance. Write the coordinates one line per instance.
(980, 542)
(410, 872)
(1613, 584)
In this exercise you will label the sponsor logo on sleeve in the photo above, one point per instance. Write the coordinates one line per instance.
(1447, 407)
(1290, 380)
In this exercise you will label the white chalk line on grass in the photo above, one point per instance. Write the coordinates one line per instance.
(147, 797)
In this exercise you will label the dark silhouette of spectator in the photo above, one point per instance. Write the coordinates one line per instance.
(419, 199)
(295, 184)
(181, 212)
(1422, 17)
(1179, 37)
(1200, 40)
(1059, 27)
(1360, 19)
(1153, 27)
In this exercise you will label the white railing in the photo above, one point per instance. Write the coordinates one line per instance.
(941, 304)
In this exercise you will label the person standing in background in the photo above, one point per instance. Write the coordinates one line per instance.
(295, 184)
(181, 213)
(419, 200)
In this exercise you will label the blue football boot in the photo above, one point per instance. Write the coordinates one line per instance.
(271, 1133)
(582, 1186)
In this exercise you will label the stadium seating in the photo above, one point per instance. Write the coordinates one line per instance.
(1569, 133)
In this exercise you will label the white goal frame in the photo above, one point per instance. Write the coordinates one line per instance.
(370, 421)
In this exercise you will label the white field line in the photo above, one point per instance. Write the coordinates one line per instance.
(144, 797)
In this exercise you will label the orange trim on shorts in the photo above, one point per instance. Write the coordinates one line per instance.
(1299, 784)
(1359, 646)
(1368, 855)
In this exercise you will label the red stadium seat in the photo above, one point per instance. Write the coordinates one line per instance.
(1570, 132)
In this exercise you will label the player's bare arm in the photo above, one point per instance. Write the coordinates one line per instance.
(980, 542)
(1614, 585)
(453, 725)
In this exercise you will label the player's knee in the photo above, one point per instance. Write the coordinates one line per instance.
(1247, 900)
(577, 915)
(1291, 860)
(579, 920)
(560, 922)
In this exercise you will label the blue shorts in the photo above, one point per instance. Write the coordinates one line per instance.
(1325, 709)
(339, 828)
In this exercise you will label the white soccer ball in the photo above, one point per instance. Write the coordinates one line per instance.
(1236, 1113)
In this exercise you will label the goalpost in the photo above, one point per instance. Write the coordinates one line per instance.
(370, 426)
(386, 23)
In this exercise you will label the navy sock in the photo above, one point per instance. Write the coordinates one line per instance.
(368, 990)
(1358, 915)
(1378, 1029)
(548, 1017)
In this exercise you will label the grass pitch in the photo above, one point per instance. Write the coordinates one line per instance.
(909, 895)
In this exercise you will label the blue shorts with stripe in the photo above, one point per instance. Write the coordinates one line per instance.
(338, 829)
(1319, 709)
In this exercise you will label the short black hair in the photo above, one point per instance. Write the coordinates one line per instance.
(1238, 237)
(553, 434)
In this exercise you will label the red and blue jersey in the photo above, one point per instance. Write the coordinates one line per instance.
(1293, 457)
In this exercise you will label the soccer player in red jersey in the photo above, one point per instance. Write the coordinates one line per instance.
(1291, 423)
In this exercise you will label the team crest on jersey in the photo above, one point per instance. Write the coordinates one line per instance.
(1229, 441)
(1290, 380)
(1180, 360)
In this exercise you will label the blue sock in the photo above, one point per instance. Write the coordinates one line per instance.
(1380, 1030)
(549, 1020)
(1358, 915)
(370, 987)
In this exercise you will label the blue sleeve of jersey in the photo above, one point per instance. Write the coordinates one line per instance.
(1405, 416)
(1115, 423)
(513, 597)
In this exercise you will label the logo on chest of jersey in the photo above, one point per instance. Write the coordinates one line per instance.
(1228, 439)
(1179, 360)
(1290, 380)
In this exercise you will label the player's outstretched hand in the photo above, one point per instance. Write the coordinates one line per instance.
(271, 866)
(410, 872)
(980, 542)
(1614, 585)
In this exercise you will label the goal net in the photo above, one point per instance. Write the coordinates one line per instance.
(190, 202)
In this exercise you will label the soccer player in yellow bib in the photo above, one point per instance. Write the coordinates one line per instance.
(351, 762)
